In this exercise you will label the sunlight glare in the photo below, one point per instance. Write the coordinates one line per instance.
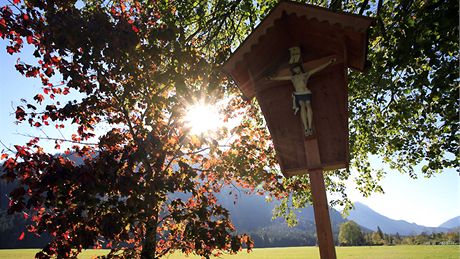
(202, 117)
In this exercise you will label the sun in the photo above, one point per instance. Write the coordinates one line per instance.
(202, 117)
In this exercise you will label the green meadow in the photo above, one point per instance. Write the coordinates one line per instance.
(374, 252)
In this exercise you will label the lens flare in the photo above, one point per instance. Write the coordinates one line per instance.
(203, 117)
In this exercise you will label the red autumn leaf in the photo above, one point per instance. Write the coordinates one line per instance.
(21, 237)
(18, 40)
(39, 98)
(21, 150)
(20, 113)
(20, 68)
(37, 124)
(55, 59)
(9, 164)
(10, 50)
(135, 29)
(4, 156)
(33, 72)
(49, 71)
(30, 39)
(46, 90)
(25, 215)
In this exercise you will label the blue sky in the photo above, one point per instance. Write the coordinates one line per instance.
(428, 202)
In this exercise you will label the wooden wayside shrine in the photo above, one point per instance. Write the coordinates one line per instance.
(321, 35)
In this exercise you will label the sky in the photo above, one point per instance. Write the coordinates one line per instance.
(428, 202)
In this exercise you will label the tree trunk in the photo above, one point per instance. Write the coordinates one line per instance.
(150, 241)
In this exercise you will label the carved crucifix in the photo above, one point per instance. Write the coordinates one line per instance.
(301, 97)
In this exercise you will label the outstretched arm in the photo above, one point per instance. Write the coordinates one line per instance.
(279, 78)
(321, 67)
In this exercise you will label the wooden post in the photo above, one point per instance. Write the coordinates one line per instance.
(320, 205)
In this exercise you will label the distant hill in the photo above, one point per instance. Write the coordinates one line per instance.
(11, 226)
(366, 217)
(253, 215)
(250, 214)
(451, 223)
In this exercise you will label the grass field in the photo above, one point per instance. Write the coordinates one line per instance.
(374, 252)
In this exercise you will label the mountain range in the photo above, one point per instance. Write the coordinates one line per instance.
(251, 214)
(368, 218)
(451, 223)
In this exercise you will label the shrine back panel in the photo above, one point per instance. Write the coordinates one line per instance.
(330, 120)
(322, 36)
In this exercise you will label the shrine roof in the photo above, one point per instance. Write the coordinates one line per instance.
(345, 21)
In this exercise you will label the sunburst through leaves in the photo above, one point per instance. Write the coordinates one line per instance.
(202, 117)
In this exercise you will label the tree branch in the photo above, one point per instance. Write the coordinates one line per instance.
(9, 149)
(59, 139)
(363, 6)
(379, 7)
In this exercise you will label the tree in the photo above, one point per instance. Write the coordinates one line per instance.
(146, 185)
(137, 66)
(380, 233)
(377, 239)
(350, 234)
(397, 239)
(407, 116)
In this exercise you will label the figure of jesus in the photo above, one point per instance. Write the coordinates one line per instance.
(301, 97)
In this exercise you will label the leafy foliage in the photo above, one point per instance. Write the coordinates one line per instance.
(350, 234)
(440, 238)
(138, 67)
(405, 108)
